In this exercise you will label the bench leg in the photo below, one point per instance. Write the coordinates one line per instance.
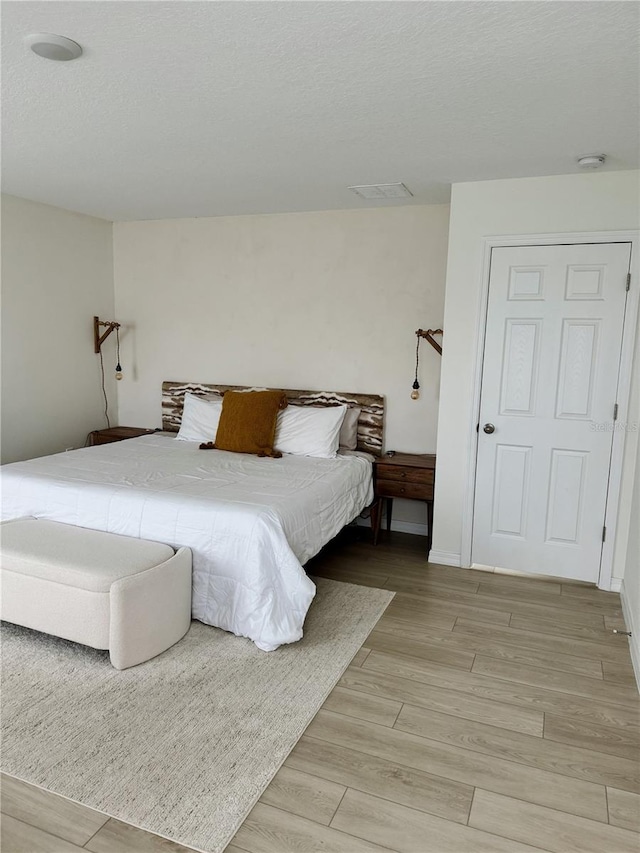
(150, 611)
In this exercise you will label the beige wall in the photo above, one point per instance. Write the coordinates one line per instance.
(567, 203)
(56, 274)
(326, 300)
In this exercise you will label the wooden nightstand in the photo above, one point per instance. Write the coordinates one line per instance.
(403, 475)
(106, 436)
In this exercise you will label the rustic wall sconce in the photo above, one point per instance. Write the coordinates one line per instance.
(99, 339)
(428, 335)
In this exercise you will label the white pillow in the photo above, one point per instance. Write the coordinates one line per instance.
(200, 418)
(307, 431)
(349, 430)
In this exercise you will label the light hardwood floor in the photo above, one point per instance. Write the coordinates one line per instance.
(485, 713)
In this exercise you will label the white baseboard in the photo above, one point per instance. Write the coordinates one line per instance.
(409, 527)
(399, 526)
(634, 639)
(444, 558)
(615, 585)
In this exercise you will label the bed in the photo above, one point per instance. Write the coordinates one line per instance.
(251, 522)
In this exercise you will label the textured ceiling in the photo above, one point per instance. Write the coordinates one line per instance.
(206, 108)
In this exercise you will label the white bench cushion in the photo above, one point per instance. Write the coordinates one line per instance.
(100, 589)
(76, 556)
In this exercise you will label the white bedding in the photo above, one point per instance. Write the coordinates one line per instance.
(251, 523)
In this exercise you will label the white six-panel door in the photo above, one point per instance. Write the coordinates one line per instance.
(550, 372)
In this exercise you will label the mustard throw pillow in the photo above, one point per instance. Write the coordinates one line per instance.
(248, 422)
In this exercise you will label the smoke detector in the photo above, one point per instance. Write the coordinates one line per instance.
(591, 161)
(50, 46)
(382, 191)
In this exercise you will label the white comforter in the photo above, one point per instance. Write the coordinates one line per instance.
(249, 522)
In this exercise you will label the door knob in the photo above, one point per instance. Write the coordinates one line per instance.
(489, 428)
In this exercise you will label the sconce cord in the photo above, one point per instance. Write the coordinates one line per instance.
(416, 384)
(118, 368)
(104, 393)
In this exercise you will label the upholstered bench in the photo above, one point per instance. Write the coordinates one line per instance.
(103, 590)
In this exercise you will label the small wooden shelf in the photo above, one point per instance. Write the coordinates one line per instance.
(119, 433)
(403, 475)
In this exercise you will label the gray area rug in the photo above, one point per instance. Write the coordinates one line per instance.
(185, 744)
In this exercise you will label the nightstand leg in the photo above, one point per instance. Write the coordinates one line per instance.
(389, 513)
(376, 516)
(429, 525)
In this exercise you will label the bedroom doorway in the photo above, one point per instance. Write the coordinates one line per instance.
(548, 406)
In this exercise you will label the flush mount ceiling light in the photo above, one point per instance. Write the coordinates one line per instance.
(382, 191)
(591, 161)
(50, 46)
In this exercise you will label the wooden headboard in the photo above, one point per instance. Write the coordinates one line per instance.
(370, 422)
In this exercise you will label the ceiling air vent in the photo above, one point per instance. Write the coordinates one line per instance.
(382, 191)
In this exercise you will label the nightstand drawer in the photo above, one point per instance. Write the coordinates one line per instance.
(405, 474)
(399, 489)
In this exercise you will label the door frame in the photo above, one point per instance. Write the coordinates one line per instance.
(624, 382)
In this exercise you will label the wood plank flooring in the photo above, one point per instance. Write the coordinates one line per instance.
(485, 713)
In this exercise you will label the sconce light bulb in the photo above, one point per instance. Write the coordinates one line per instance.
(118, 371)
(415, 394)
